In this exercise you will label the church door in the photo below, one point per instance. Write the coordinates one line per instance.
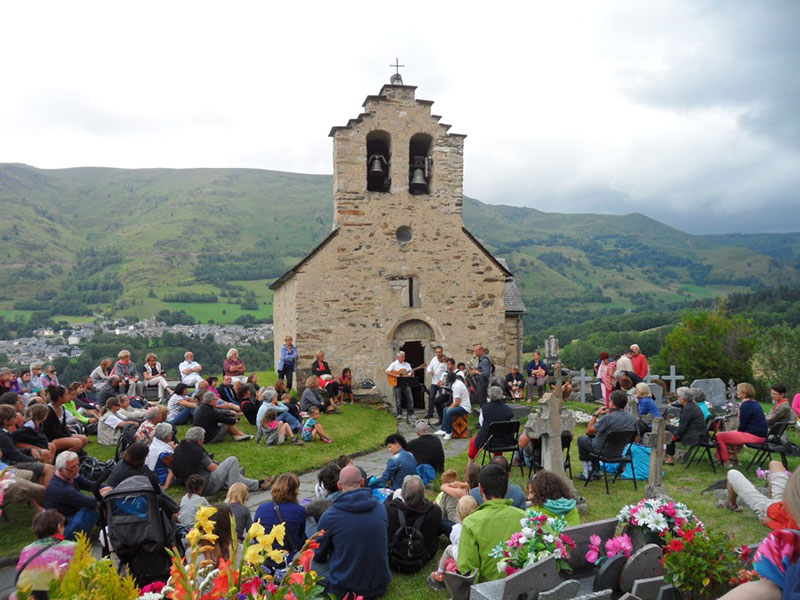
(415, 355)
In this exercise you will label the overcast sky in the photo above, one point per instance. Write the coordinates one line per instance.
(684, 111)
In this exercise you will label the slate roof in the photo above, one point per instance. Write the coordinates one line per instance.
(511, 295)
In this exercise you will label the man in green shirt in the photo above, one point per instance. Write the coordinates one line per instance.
(492, 523)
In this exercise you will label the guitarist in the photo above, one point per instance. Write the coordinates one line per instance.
(400, 368)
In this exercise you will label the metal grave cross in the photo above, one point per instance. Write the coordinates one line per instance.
(672, 378)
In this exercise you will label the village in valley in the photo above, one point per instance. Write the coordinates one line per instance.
(233, 383)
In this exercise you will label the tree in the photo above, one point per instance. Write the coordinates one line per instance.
(711, 344)
(778, 356)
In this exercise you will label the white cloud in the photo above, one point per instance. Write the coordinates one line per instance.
(578, 106)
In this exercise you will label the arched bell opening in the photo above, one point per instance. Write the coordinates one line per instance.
(379, 147)
(420, 164)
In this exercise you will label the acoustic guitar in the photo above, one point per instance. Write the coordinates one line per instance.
(393, 375)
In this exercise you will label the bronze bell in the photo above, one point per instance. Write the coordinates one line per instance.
(419, 184)
(375, 167)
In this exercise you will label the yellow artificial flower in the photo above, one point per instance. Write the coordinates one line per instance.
(202, 518)
(193, 536)
(253, 555)
(276, 556)
(278, 532)
(256, 530)
(211, 537)
(265, 541)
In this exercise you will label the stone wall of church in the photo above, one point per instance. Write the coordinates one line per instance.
(513, 331)
(351, 297)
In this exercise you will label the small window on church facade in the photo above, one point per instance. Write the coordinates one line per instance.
(378, 156)
(420, 164)
(412, 291)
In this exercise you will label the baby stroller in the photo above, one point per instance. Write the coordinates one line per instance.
(140, 525)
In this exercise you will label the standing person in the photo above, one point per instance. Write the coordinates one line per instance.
(605, 374)
(752, 425)
(355, 541)
(639, 362)
(482, 373)
(537, 372)
(623, 364)
(287, 363)
(126, 370)
(154, 375)
(437, 369)
(402, 392)
(461, 405)
(492, 523)
(189, 370)
(234, 366)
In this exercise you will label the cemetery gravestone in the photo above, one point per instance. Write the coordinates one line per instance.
(644, 564)
(551, 349)
(672, 378)
(714, 389)
(647, 589)
(597, 391)
(527, 583)
(583, 379)
(657, 391)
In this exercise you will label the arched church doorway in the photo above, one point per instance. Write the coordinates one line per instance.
(413, 337)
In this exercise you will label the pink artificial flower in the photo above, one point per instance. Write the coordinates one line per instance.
(272, 588)
(511, 570)
(594, 540)
(568, 540)
(592, 556)
(514, 542)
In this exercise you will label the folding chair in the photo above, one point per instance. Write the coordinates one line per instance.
(773, 444)
(616, 441)
(536, 464)
(705, 445)
(502, 438)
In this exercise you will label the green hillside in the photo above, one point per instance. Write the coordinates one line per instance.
(124, 241)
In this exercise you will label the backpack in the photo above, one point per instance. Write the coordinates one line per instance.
(127, 438)
(407, 549)
(93, 468)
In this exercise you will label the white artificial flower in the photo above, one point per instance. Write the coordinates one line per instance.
(557, 553)
(527, 533)
(549, 538)
(657, 522)
(501, 566)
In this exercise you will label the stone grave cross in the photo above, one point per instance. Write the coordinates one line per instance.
(672, 378)
(552, 452)
(583, 379)
(732, 391)
(650, 378)
(654, 488)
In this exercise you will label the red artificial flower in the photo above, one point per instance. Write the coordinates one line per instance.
(745, 553)
(290, 596)
(272, 588)
(297, 578)
(313, 545)
(251, 586)
(675, 545)
(305, 559)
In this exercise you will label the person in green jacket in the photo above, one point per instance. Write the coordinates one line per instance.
(73, 409)
(492, 523)
(549, 494)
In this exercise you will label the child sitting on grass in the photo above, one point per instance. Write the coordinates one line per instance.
(446, 502)
(449, 560)
(236, 498)
(275, 432)
(312, 429)
(191, 501)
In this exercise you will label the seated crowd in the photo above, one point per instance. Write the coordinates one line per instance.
(45, 428)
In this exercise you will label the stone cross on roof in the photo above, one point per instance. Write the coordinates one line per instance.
(396, 78)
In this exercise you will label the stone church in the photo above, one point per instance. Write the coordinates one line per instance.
(399, 270)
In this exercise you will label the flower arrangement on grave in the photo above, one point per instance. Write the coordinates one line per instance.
(541, 537)
(656, 517)
(247, 577)
(703, 564)
(622, 544)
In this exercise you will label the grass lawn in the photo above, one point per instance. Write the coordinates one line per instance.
(358, 428)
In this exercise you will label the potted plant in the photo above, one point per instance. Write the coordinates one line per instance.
(541, 537)
(652, 518)
(703, 565)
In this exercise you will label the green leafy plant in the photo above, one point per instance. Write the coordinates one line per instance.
(703, 565)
